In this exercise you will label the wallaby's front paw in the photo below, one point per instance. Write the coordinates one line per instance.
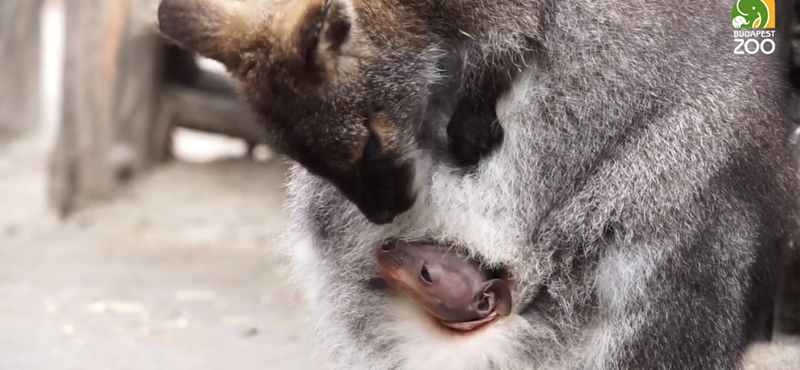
(473, 132)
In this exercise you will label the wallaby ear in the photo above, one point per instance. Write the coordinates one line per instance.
(311, 39)
(213, 29)
(499, 292)
(321, 36)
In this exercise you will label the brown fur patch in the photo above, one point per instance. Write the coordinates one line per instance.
(383, 128)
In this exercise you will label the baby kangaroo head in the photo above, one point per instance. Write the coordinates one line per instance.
(309, 71)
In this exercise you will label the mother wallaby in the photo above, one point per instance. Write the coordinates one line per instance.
(640, 201)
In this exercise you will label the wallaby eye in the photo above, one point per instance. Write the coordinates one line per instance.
(425, 275)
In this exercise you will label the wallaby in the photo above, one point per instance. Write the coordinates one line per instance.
(341, 98)
(639, 204)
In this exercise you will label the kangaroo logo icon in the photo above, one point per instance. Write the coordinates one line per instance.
(753, 14)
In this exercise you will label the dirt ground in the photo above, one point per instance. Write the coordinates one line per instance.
(178, 272)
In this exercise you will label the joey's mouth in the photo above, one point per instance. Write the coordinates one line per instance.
(469, 326)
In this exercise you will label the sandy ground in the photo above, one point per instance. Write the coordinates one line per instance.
(179, 272)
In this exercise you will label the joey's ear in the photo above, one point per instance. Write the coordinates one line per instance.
(500, 291)
(214, 29)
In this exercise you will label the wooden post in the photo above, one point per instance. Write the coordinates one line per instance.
(109, 131)
(20, 22)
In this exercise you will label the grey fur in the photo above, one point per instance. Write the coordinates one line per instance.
(641, 199)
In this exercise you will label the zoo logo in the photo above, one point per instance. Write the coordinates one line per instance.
(753, 14)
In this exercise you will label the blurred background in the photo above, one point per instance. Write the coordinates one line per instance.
(139, 205)
(137, 212)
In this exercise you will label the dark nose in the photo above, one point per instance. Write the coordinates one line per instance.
(382, 212)
(383, 190)
(382, 216)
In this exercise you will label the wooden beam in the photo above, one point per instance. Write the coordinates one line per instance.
(213, 112)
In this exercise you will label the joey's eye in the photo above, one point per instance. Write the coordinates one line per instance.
(373, 147)
(425, 275)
